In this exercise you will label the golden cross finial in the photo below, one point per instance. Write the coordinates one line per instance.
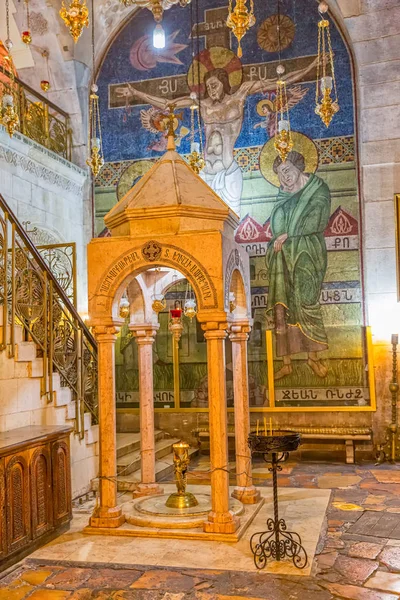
(171, 119)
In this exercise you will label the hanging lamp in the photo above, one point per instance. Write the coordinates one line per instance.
(326, 97)
(159, 302)
(8, 113)
(95, 141)
(158, 32)
(26, 35)
(240, 19)
(283, 137)
(189, 307)
(196, 158)
(75, 17)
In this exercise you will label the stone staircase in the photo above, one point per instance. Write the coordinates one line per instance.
(22, 404)
(128, 459)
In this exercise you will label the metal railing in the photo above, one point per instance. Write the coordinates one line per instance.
(41, 120)
(33, 299)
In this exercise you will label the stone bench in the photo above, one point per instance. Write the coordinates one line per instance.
(349, 435)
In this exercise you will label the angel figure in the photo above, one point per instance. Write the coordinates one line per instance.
(267, 108)
(154, 120)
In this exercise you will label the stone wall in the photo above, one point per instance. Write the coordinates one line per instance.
(48, 191)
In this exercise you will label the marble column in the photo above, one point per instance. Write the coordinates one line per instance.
(220, 518)
(244, 490)
(145, 336)
(107, 514)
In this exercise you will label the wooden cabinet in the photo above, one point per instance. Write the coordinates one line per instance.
(35, 489)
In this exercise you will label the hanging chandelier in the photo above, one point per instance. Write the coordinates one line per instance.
(75, 17)
(326, 105)
(240, 19)
(8, 113)
(95, 142)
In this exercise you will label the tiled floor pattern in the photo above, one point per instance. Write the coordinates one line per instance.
(353, 566)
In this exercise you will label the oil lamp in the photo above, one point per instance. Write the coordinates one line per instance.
(190, 308)
(124, 308)
(75, 17)
(283, 138)
(326, 98)
(45, 85)
(95, 144)
(26, 36)
(158, 33)
(240, 19)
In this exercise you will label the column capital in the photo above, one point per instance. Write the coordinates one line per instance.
(214, 331)
(239, 332)
(105, 333)
(144, 333)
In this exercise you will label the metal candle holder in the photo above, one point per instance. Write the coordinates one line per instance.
(181, 498)
(276, 543)
(390, 449)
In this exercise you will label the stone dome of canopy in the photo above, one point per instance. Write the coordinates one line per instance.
(169, 198)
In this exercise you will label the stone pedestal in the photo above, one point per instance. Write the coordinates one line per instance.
(220, 518)
(108, 514)
(244, 490)
(145, 335)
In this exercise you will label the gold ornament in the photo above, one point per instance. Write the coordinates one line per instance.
(190, 308)
(45, 85)
(196, 161)
(124, 308)
(9, 118)
(96, 161)
(181, 498)
(75, 17)
(326, 98)
(240, 19)
(159, 303)
(26, 37)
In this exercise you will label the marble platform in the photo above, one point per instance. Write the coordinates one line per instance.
(303, 509)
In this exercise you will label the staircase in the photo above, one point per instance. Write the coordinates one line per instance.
(128, 459)
(48, 357)
(22, 404)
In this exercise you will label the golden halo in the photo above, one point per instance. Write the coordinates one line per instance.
(209, 59)
(131, 173)
(261, 104)
(302, 144)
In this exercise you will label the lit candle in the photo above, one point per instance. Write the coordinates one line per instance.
(258, 423)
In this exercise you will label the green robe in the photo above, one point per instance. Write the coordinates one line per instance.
(297, 271)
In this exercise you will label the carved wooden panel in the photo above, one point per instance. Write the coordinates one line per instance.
(3, 522)
(18, 502)
(61, 483)
(41, 491)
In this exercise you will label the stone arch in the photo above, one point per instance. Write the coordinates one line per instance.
(236, 281)
(121, 271)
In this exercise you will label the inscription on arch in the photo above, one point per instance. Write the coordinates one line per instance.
(154, 254)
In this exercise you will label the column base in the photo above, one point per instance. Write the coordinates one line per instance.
(221, 523)
(247, 495)
(107, 517)
(147, 489)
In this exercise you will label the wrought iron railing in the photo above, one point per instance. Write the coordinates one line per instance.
(32, 298)
(41, 120)
(61, 258)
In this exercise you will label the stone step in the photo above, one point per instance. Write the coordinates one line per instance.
(129, 463)
(130, 442)
(164, 468)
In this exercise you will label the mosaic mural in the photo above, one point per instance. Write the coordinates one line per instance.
(304, 246)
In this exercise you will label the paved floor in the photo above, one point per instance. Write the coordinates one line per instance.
(358, 554)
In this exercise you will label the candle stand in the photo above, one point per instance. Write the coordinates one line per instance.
(389, 450)
(276, 543)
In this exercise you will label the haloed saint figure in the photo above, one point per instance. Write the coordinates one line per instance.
(297, 261)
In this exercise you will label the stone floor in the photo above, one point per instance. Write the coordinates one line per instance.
(357, 558)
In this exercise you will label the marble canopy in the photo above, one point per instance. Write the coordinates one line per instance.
(172, 218)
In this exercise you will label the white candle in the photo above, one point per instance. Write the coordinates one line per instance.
(195, 147)
(95, 142)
